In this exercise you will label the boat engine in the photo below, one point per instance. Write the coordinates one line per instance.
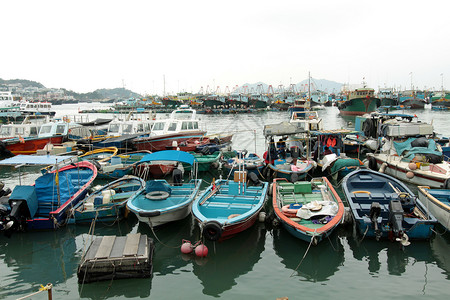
(375, 211)
(396, 218)
(254, 179)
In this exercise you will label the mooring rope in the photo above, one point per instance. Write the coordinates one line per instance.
(306, 252)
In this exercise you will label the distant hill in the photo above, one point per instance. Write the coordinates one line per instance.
(316, 84)
(23, 82)
(100, 94)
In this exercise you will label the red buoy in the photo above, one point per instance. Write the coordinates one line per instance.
(186, 247)
(201, 250)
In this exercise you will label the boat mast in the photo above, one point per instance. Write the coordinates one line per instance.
(309, 85)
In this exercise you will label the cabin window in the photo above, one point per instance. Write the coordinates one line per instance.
(33, 131)
(184, 126)
(140, 128)
(127, 128)
(6, 130)
(190, 126)
(158, 126)
(19, 131)
(172, 127)
(114, 128)
(46, 129)
(195, 125)
(60, 129)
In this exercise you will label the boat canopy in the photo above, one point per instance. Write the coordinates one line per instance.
(169, 155)
(36, 160)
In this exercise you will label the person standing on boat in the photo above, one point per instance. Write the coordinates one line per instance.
(296, 149)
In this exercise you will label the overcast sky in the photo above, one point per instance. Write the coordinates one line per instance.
(86, 45)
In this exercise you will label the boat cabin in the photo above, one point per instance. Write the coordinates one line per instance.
(180, 120)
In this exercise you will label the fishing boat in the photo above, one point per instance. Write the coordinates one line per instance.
(412, 98)
(108, 203)
(182, 125)
(99, 155)
(252, 163)
(54, 132)
(215, 101)
(46, 204)
(309, 210)
(228, 207)
(437, 201)
(259, 100)
(162, 202)
(120, 165)
(358, 102)
(205, 162)
(384, 207)
(387, 97)
(284, 158)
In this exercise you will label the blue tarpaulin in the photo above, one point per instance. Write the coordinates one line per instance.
(169, 155)
(407, 151)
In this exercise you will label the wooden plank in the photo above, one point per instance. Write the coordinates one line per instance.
(105, 247)
(132, 244)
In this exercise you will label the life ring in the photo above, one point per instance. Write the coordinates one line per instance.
(212, 231)
(157, 195)
(289, 212)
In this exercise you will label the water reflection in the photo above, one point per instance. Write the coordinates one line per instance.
(230, 259)
(440, 246)
(320, 263)
(397, 258)
(37, 258)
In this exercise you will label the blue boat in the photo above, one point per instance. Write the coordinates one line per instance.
(252, 163)
(46, 204)
(228, 207)
(162, 202)
(108, 203)
(384, 207)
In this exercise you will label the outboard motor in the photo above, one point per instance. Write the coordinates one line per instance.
(375, 211)
(396, 217)
(254, 179)
(177, 177)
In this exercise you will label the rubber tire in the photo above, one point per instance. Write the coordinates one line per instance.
(212, 231)
(373, 163)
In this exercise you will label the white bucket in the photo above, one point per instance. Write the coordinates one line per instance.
(107, 194)
(89, 206)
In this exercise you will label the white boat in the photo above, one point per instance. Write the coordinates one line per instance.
(415, 160)
(437, 202)
(183, 125)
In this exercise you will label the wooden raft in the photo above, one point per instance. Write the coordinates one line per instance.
(116, 257)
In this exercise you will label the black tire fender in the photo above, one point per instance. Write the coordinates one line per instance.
(212, 230)
(373, 163)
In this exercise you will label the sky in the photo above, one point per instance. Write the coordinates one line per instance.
(153, 46)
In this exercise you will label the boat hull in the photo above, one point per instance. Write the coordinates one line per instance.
(30, 146)
(166, 141)
(439, 209)
(399, 169)
(358, 106)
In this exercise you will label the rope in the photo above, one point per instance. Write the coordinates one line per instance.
(153, 231)
(364, 235)
(306, 252)
(48, 287)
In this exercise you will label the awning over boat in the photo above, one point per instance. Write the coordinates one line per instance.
(36, 160)
(169, 155)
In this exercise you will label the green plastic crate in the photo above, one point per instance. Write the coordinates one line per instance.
(302, 187)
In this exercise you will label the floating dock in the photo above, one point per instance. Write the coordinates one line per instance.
(117, 257)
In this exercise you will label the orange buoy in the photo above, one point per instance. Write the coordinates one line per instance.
(201, 250)
(409, 175)
(412, 166)
(186, 247)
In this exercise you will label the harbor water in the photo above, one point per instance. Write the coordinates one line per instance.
(264, 262)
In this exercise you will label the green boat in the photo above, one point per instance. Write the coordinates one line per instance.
(205, 161)
(359, 102)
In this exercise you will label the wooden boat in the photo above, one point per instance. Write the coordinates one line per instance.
(384, 207)
(108, 204)
(120, 165)
(251, 163)
(309, 210)
(284, 168)
(45, 205)
(205, 161)
(228, 207)
(438, 203)
(99, 155)
(162, 202)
